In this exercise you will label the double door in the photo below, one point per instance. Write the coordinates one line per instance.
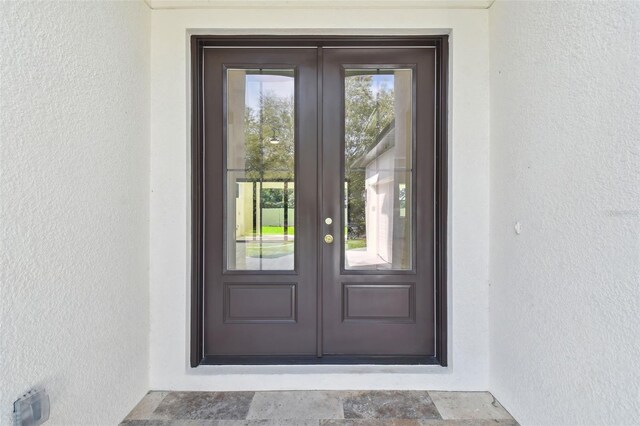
(318, 201)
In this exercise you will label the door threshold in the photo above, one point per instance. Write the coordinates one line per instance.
(314, 360)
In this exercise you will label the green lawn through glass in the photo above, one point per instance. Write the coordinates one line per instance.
(277, 230)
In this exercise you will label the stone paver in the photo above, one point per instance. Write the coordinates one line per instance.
(204, 406)
(146, 406)
(469, 405)
(269, 422)
(492, 422)
(319, 408)
(389, 405)
(370, 422)
(296, 405)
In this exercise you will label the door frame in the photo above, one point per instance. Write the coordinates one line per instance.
(441, 45)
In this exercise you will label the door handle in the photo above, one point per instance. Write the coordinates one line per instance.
(328, 238)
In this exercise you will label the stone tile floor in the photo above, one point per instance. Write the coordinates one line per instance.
(319, 408)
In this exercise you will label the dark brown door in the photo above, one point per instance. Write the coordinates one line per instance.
(378, 201)
(318, 197)
(261, 214)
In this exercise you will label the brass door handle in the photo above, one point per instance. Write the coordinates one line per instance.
(328, 238)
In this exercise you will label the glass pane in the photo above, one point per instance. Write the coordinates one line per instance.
(260, 169)
(378, 169)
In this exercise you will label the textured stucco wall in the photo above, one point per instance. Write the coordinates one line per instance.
(565, 162)
(74, 185)
(170, 180)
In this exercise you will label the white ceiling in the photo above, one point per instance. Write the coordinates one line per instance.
(343, 4)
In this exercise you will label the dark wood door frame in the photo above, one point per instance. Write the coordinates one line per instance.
(198, 44)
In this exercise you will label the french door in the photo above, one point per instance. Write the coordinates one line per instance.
(317, 204)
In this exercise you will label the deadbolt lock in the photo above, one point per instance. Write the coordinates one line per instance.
(328, 238)
(328, 221)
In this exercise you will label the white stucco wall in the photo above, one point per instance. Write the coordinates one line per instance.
(565, 163)
(74, 185)
(170, 177)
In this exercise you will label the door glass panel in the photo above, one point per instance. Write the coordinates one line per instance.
(378, 185)
(260, 169)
